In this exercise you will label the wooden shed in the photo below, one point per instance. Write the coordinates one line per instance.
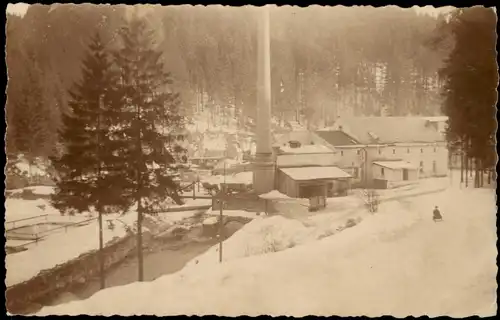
(310, 182)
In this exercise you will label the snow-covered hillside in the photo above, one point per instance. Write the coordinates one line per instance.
(397, 262)
(218, 135)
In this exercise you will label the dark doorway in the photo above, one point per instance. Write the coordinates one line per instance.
(405, 174)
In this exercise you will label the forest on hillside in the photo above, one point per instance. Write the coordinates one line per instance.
(326, 61)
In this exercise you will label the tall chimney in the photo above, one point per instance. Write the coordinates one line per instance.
(263, 176)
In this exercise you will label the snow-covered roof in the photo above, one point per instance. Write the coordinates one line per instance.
(437, 119)
(306, 149)
(395, 165)
(302, 136)
(369, 130)
(274, 194)
(314, 173)
(336, 137)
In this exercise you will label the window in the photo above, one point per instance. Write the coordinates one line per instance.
(421, 166)
(341, 153)
(379, 151)
(435, 149)
(382, 171)
(393, 151)
(407, 150)
(357, 151)
(421, 150)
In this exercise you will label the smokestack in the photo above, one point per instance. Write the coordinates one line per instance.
(263, 177)
(263, 84)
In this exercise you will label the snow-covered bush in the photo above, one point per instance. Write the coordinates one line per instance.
(371, 199)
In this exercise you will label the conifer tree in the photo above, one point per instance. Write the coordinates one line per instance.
(88, 171)
(87, 167)
(30, 119)
(471, 79)
(150, 117)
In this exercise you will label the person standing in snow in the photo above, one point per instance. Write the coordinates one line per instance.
(436, 214)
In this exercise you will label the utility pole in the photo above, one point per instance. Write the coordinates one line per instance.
(99, 207)
(221, 225)
(139, 173)
(221, 219)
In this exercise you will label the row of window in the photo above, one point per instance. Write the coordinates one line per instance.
(393, 151)
(420, 169)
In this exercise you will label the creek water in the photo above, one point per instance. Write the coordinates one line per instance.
(162, 260)
(161, 257)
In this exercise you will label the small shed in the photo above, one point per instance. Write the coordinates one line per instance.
(310, 182)
(387, 172)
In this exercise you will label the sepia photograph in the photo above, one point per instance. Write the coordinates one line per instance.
(250, 160)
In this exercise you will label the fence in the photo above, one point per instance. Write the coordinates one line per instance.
(38, 236)
(13, 222)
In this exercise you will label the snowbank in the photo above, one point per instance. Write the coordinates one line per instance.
(210, 221)
(397, 262)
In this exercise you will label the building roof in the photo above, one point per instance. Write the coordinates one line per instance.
(303, 136)
(437, 119)
(336, 138)
(315, 173)
(395, 165)
(383, 130)
(306, 149)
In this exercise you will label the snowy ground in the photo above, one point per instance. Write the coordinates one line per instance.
(39, 190)
(35, 211)
(397, 262)
(55, 249)
(241, 177)
(49, 252)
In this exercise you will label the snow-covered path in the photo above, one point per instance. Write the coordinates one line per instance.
(456, 257)
(397, 262)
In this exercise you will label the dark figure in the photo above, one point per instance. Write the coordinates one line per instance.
(436, 215)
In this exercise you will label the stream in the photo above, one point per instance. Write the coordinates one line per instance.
(162, 260)
(161, 257)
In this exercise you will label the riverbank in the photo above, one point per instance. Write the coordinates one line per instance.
(162, 256)
(162, 260)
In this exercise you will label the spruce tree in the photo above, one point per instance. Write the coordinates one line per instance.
(471, 79)
(87, 168)
(88, 171)
(150, 118)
